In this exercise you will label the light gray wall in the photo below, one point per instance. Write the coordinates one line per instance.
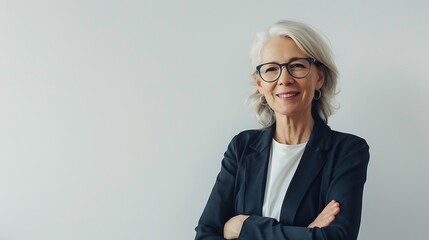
(114, 115)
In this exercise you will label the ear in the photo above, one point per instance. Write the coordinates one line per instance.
(321, 77)
(259, 85)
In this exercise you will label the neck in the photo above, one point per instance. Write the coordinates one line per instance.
(293, 130)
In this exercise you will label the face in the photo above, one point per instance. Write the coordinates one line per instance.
(288, 96)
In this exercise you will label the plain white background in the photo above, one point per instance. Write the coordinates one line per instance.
(114, 115)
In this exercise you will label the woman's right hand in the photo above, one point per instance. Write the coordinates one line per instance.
(327, 215)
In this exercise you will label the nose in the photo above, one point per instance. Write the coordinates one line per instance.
(285, 78)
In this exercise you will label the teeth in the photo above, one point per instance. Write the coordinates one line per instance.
(284, 95)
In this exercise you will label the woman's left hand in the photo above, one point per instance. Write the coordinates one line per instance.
(232, 228)
(327, 216)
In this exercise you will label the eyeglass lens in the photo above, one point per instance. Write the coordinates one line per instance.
(298, 68)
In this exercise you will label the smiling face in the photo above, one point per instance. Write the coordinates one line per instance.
(288, 96)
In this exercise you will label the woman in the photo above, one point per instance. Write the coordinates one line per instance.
(296, 178)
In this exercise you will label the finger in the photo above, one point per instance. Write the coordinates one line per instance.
(331, 207)
(326, 220)
(333, 203)
(329, 212)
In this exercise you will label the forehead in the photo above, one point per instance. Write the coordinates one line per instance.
(280, 49)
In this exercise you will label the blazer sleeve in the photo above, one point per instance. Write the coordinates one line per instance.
(220, 205)
(346, 186)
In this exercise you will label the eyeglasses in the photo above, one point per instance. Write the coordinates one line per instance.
(297, 68)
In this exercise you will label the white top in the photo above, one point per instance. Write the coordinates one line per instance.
(282, 165)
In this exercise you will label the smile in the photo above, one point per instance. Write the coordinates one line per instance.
(287, 95)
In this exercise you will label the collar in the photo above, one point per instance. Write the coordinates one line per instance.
(320, 137)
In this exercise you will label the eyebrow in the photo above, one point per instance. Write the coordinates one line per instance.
(290, 60)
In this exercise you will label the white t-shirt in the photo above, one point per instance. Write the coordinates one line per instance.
(282, 165)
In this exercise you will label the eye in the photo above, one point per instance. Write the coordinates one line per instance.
(270, 68)
(297, 65)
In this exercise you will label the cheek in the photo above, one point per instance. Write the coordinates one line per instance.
(312, 84)
(262, 89)
(268, 87)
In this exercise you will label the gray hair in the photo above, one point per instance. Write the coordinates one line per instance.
(311, 43)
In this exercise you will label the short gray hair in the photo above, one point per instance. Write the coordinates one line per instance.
(311, 43)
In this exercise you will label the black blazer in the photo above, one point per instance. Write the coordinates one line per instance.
(333, 166)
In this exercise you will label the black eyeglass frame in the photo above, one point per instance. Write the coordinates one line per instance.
(310, 60)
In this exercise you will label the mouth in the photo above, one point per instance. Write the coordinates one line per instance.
(287, 95)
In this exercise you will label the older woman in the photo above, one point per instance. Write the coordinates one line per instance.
(295, 178)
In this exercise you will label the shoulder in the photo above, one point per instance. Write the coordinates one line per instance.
(252, 136)
(251, 140)
(245, 138)
(349, 148)
(249, 134)
(347, 139)
(323, 138)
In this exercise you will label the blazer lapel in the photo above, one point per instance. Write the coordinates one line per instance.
(309, 167)
(256, 172)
